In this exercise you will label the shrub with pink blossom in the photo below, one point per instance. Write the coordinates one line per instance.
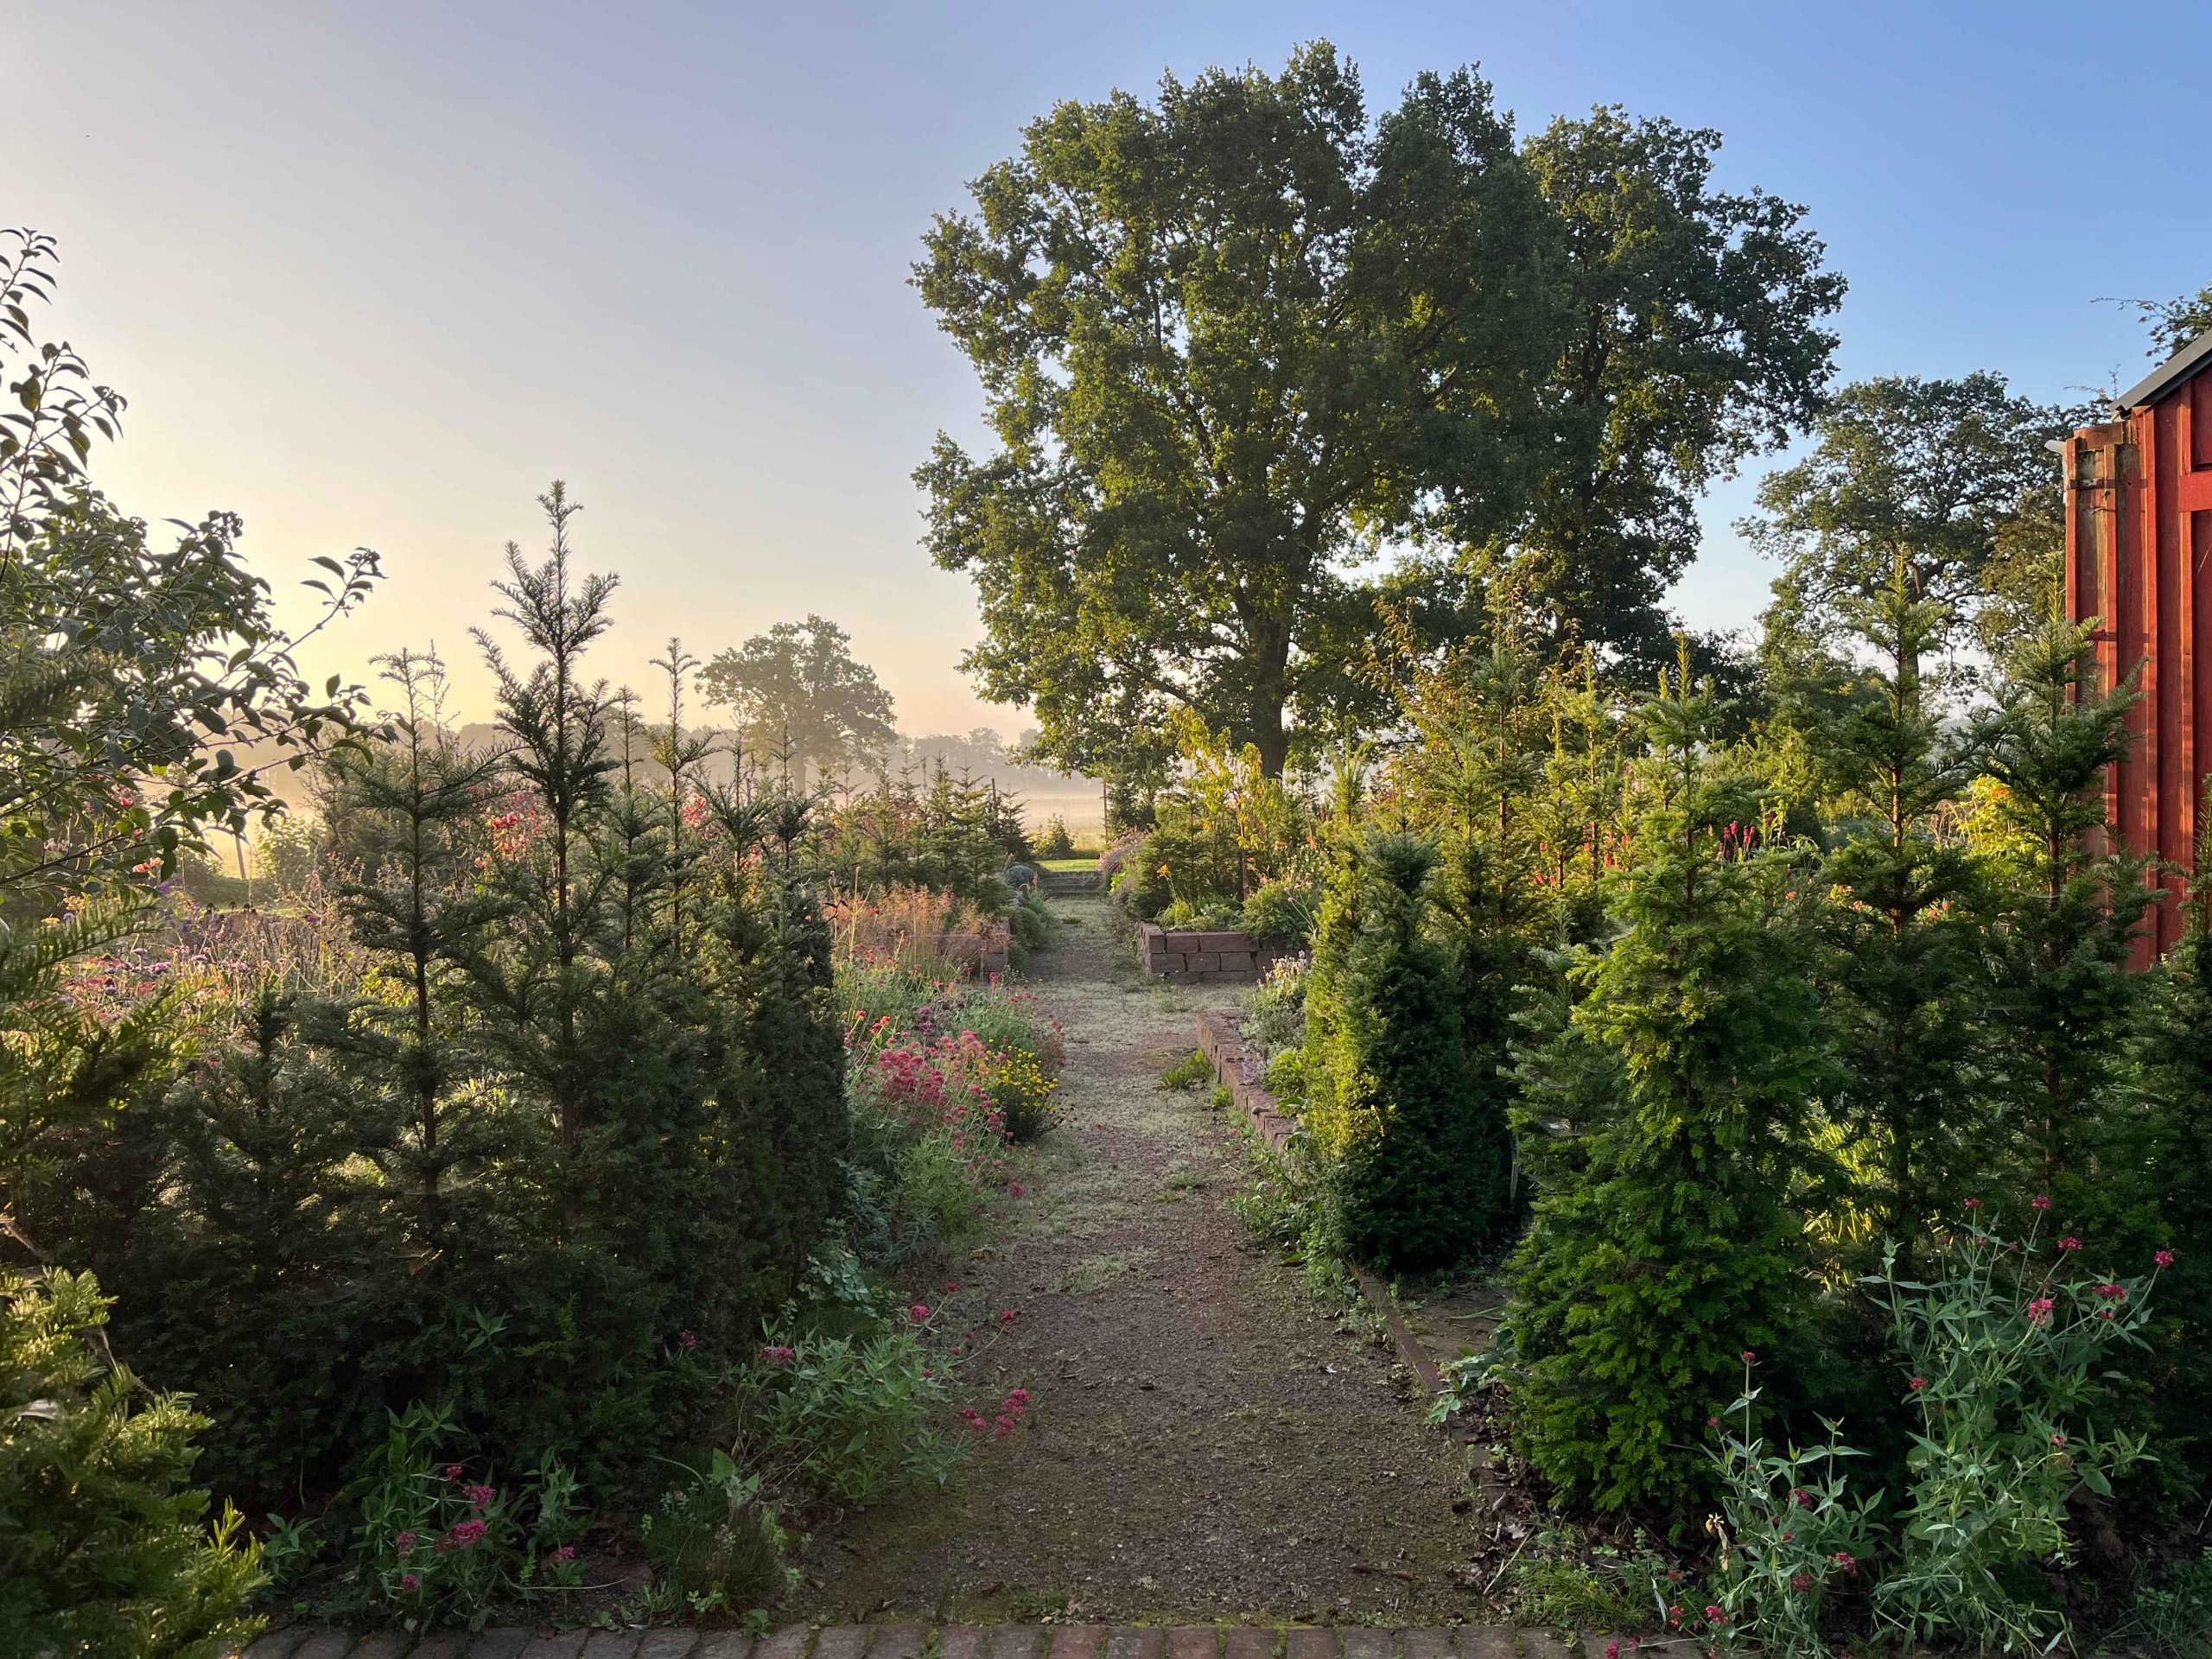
(848, 1420)
(439, 1543)
(2007, 1343)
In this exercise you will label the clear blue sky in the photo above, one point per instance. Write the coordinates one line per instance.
(373, 274)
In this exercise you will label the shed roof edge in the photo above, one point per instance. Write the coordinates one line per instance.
(2196, 355)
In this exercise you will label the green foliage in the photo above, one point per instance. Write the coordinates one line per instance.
(714, 1542)
(441, 1544)
(2155, 1160)
(1906, 988)
(131, 676)
(1414, 1144)
(1281, 912)
(2177, 323)
(802, 701)
(1024, 1096)
(104, 1549)
(2175, 1615)
(1033, 924)
(1278, 1017)
(1370, 322)
(944, 833)
(1792, 1535)
(845, 1419)
(1285, 1078)
(1914, 486)
(1054, 842)
(2070, 910)
(1564, 1582)
(2001, 1348)
(1693, 338)
(1663, 1245)
(1190, 1071)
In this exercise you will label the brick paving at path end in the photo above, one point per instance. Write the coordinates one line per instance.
(950, 1642)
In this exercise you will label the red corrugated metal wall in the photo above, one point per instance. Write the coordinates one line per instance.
(2139, 558)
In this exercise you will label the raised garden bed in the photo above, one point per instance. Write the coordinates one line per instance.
(1216, 958)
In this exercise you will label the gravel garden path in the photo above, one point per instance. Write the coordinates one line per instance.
(1205, 1441)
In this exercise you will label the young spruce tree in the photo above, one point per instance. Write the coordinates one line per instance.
(2070, 909)
(420, 913)
(1416, 1147)
(1665, 1247)
(1902, 963)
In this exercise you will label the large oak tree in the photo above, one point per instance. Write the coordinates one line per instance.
(1941, 487)
(1695, 341)
(1229, 341)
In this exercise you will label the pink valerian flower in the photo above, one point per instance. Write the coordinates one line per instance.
(2058, 1440)
(919, 1314)
(1014, 1188)
(778, 1358)
(479, 1496)
(2104, 1313)
(686, 1340)
(2069, 1242)
(1843, 1559)
(2039, 1202)
(1802, 1498)
(2039, 1310)
(408, 1584)
(566, 1552)
(1974, 1204)
(1613, 1649)
(466, 1534)
(1801, 1582)
(1750, 1357)
(1006, 1317)
(403, 1541)
(952, 1289)
(2112, 1293)
(453, 1471)
(1917, 1384)
(2163, 1258)
(1712, 1613)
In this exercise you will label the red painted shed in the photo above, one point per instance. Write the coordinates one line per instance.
(2138, 559)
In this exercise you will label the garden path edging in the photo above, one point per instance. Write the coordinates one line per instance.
(909, 1640)
(1222, 1041)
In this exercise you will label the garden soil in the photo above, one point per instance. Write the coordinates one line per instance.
(1205, 1439)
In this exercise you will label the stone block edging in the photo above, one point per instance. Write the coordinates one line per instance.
(1221, 1039)
(890, 1641)
(1207, 957)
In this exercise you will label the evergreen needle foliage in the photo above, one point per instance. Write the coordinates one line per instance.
(1665, 1247)
(1416, 1147)
(104, 1549)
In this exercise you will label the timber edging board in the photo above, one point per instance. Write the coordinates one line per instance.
(1223, 958)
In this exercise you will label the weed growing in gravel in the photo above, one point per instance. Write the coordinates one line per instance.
(1187, 1073)
(1564, 1582)
(2175, 1616)
(1100, 1271)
